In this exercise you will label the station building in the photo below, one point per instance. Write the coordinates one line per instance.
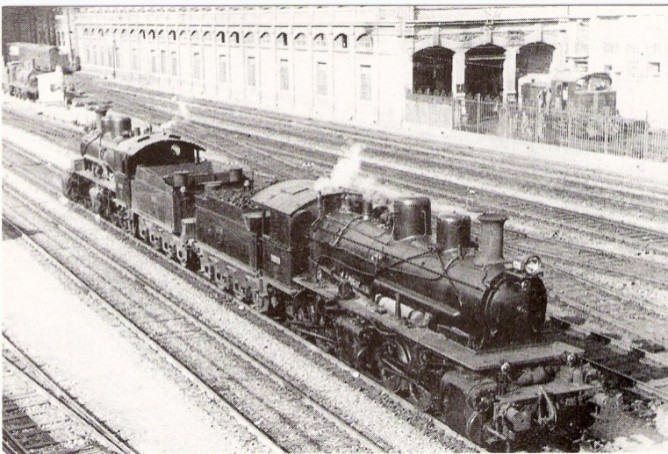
(366, 63)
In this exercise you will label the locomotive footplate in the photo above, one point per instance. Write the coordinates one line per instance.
(478, 361)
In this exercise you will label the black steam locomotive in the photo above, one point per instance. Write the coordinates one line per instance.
(445, 322)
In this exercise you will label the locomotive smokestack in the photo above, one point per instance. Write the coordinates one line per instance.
(491, 239)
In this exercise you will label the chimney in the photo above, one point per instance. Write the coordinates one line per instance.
(490, 251)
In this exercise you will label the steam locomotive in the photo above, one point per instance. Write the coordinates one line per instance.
(445, 322)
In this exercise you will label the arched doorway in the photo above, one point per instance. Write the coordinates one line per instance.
(534, 58)
(484, 70)
(432, 70)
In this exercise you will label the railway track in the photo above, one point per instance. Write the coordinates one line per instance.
(638, 372)
(563, 260)
(271, 408)
(311, 425)
(448, 158)
(638, 340)
(39, 416)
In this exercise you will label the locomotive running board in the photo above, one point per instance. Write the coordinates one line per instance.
(519, 355)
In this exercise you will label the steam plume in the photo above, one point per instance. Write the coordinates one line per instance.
(347, 174)
(182, 114)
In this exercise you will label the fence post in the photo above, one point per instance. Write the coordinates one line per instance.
(605, 132)
(645, 136)
(477, 113)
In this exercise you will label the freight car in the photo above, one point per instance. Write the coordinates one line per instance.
(448, 323)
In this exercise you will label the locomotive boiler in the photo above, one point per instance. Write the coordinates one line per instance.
(463, 291)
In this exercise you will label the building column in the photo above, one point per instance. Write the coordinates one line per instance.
(510, 74)
(458, 72)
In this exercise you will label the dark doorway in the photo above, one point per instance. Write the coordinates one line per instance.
(484, 70)
(534, 58)
(432, 70)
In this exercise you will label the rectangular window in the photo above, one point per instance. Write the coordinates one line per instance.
(101, 56)
(250, 71)
(197, 66)
(321, 79)
(175, 68)
(154, 62)
(365, 83)
(163, 62)
(285, 75)
(87, 55)
(110, 57)
(94, 55)
(222, 68)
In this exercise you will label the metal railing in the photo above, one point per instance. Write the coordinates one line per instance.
(433, 109)
(602, 133)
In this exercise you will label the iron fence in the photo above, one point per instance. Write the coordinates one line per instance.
(429, 109)
(601, 133)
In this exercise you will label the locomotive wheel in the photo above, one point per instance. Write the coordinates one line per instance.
(393, 360)
(454, 410)
(419, 396)
(474, 427)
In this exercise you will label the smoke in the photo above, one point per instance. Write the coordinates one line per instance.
(181, 114)
(347, 174)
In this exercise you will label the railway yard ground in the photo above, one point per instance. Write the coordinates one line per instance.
(599, 222)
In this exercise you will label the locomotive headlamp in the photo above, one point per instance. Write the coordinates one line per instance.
(530, 264)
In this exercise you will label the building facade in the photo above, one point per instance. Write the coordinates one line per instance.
(359, 62)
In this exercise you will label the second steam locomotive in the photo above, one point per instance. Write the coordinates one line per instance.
(445, 322)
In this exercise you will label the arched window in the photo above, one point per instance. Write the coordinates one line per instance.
(249, 38)
(142, 34)
(341, 41)
(220, 36)
(319, 40)
(364, 42)
(282, 40)
(300, 40)
(151, 34)
(234, 37)
(207, 37)
(265, 38)
(182, 35)
(194, 36)
(172, 35)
